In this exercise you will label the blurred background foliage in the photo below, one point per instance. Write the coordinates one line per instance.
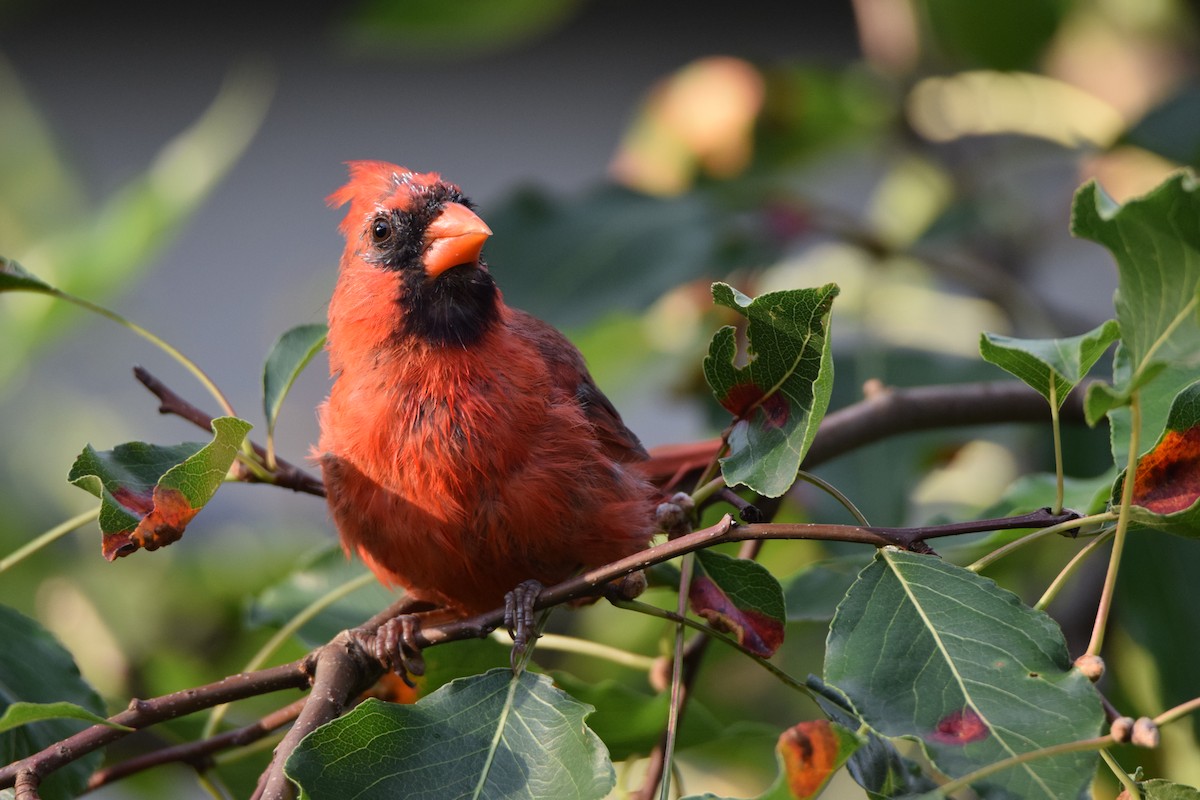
(926, 165)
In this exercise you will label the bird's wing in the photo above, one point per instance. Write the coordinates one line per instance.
(569, 372)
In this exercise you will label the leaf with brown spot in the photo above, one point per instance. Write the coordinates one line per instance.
(1155, 241)
(1168, 477)
(1166, 484)
(780, 395)
(808, 754)
(149, 493)
(960, 727)
(929, 651)
(739, 597)
(811, 752)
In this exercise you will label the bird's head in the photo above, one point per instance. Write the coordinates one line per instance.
(422, 231)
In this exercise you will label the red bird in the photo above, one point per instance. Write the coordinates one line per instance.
(465, 447)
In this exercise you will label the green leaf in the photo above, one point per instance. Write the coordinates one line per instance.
(14, 278)
(287, 359)
(491, 735)
(924, 649)
(149, 493)
(19, 714)
(34, 668)
(1037, 361)
(1155, 240)
(624, 249)
(1101, 400)
(740, 597)
(1159, 789)
(780, 396)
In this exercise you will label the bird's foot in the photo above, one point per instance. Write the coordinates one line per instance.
(396, 645)
(519, 618)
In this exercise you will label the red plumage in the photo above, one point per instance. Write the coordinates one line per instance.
(464, 445)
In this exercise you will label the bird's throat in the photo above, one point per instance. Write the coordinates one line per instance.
(455, 308)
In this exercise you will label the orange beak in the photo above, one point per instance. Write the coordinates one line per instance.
(455, 237)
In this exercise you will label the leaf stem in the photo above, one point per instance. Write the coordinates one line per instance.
(1179, 711)
(701, 493)
(1114, 561)
(677, 689)
(1000, 552)
(1121, 775)
(584, 647)
(57, 532)
(1056, 432)
(1079, 746)
(1072, 566)
(155, 340)
(836, 494)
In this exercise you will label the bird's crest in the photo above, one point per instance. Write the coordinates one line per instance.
(376, 184)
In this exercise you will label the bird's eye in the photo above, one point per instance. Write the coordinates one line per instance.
(381, 230)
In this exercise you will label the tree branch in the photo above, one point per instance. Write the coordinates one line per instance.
(285, 474)
(726, 530)
(341, 673)
(144, 713)
(199, 754)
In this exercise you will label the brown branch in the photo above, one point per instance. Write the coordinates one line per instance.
(144, 713)
(890, 412)
(27, 785)
(285, 474)
(341, 672)
(198, 755)
(726, 530)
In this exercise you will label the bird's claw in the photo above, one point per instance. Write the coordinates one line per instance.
(519, 617)
(395, 645)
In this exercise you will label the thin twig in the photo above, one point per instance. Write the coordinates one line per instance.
(285, 474)
(144, 713)
(199, 754)
(1114, 559)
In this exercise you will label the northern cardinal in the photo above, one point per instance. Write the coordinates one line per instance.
(465, 447)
